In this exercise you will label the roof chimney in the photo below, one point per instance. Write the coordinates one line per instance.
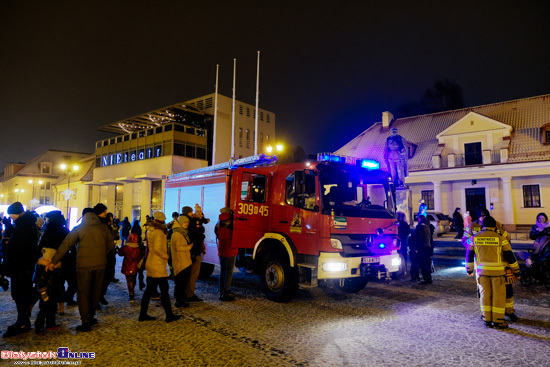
(387, 118)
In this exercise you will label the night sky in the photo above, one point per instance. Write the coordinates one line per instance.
(328, 69)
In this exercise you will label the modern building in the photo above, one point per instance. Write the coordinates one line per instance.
(494, 156)
(131, 167)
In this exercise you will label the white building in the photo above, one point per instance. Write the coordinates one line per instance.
(495, 156)
(131, 168)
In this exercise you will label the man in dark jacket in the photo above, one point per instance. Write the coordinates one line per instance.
(21, 256)
(458, 222)
(424, 245)
(94, 242)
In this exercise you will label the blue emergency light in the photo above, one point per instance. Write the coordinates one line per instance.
(369, 164)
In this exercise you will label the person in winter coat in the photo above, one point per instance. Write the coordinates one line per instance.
(196, 233)
(132, 255)
(136, 229)
(95, 241)
(156, 268)
(21, 255)
(55, 232)
(424, 248)
(181, 258)
(458, 221)
(227, 255)
(403, 231)
(125, 228)
(107, 218)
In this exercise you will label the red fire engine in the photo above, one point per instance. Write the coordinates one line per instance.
(298, 224)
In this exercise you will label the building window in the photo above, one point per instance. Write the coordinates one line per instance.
(267, 138)
(158, 130)
(126, 137)
(268, 118)
(201, 153)
(99, 144)
(168, 127)
(428, 196)
(119, 139)
(112, 141)
(247, 138)
(531, 196)
(240, 109)
(46, 168)
(248, 111)
(240, 137)
(48, 187)
(134, 136)
(261, 116)
(472, 154)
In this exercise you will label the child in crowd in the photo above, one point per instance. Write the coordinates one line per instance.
(132, 255)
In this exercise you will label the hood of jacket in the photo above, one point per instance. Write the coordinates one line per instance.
(90, 219)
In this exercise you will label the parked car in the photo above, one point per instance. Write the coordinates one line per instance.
(439, 221)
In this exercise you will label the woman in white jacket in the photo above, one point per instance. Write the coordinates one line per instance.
(181, 259)
(156, 269)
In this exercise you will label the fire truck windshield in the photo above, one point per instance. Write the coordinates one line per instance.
(353, 191)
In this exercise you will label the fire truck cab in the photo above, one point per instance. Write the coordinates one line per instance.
(299, 224)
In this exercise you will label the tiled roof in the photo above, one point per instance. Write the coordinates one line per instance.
(526, 116)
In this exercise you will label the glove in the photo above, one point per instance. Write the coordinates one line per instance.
(510, 277)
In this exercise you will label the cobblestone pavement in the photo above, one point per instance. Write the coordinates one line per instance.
(396, 323)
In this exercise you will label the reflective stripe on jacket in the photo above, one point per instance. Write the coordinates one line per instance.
(491, 251)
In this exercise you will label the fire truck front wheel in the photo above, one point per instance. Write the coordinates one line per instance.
(279, 279)
(350, 285)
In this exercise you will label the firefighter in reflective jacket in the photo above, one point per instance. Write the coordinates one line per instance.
(467, 240)
(491, 252)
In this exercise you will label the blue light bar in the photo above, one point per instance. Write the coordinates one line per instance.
(370, 164)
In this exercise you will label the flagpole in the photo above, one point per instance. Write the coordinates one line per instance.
(257, 105)
(215, 117)
(233, 110)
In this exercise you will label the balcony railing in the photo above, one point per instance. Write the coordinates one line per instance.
(460, 160)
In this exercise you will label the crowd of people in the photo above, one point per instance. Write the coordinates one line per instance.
(48, 264)
(40, 255)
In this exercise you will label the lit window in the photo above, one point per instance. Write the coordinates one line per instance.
(428, 197)
(531, 196)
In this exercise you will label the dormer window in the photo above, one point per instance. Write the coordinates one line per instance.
(45, 168)
(545, 130)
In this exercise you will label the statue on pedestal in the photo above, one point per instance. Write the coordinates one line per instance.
(396, 156)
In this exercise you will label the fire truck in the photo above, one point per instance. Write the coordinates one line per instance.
(299, 224)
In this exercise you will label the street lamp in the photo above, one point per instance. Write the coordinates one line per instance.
(68, 193)
(278, 147)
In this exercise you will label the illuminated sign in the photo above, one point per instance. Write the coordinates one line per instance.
(131, 156)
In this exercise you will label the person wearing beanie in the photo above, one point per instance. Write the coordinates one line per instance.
(181, 259)
(21, 255)
(95, 241)
(156, 269)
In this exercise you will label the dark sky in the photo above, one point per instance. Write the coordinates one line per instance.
(328, 69)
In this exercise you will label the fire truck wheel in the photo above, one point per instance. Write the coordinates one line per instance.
(350, 285)
(206, 270)
(278, 277)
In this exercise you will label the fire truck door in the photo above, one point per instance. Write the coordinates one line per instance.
(299, 216)
(251, 208)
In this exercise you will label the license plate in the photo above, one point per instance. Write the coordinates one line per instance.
(370, 260)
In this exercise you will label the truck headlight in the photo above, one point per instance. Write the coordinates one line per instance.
(333, 267)
(396, 261)
(336, 243)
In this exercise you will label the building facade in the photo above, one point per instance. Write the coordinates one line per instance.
(494, 156)
(131, 167)
(40, 182)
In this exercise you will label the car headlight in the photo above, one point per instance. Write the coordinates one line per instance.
(396, 261)
(334, 267)
(336, 243)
